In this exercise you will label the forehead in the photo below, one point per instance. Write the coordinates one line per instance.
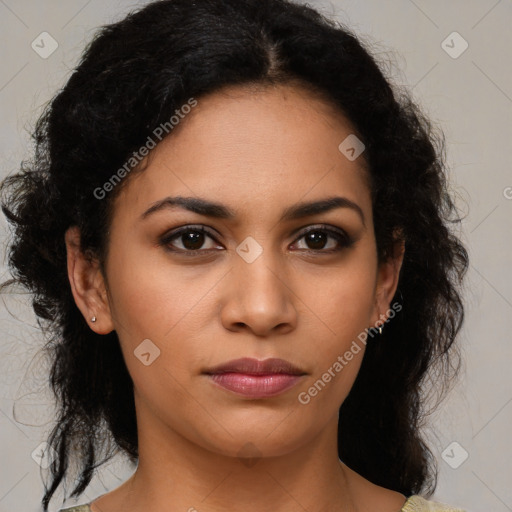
(257, 146)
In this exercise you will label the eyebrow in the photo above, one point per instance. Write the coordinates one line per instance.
(220, 211)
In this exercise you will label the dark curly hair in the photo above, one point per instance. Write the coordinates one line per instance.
(131, 78)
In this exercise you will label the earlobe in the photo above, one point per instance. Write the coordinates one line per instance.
(87, 285)
(387, 283)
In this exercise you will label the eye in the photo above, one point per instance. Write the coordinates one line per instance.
(191, 239)
(316, 238)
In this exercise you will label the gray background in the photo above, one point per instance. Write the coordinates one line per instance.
(470, 96)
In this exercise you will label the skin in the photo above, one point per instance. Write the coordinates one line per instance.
(257, 151)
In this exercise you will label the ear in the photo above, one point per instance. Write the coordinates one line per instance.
(87, 284)
(387, 282)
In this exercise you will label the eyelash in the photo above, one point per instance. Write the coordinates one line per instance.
(342, 238)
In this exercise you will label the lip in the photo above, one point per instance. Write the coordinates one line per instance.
(252, 378)
(252, 366)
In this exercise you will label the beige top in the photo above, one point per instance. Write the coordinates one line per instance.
(413, 504)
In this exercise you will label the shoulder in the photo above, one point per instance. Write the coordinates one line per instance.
(79, 508)
(418, 504)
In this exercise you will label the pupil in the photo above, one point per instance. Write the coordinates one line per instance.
(317, 239)
(193, 240)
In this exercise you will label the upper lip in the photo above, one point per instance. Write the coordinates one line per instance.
(251, 366)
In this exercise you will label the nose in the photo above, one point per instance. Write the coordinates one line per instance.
(259, 297)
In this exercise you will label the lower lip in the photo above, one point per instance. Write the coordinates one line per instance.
(255, 386)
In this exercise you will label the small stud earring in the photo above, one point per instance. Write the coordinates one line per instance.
(380, 329)
(93, 319)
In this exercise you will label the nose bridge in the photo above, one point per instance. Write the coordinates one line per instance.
(260, 296)
(257, 270)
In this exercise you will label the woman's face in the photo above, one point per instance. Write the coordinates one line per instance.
(253, 284)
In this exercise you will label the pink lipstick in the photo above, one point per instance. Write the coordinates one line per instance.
(256, 379)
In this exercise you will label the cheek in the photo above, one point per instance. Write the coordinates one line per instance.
(342, 304)
(339, 347)
(152, 298)
(159, 313)
(342, 299)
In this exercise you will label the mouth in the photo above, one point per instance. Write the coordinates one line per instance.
(256, 379)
